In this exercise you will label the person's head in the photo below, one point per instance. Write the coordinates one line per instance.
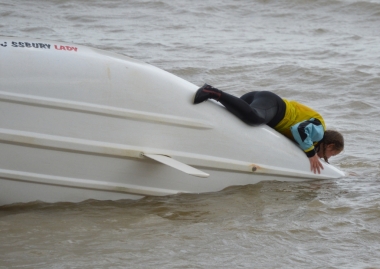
(332, 144)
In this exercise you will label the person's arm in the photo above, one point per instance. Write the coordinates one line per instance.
(315, 164)
(305, 134)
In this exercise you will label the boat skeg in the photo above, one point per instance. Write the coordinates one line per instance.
(80, 123)
(177, 165)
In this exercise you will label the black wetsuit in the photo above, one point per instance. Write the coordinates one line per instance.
(255, 107)
(299, 123)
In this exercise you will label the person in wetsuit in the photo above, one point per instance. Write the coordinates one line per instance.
(296, 121)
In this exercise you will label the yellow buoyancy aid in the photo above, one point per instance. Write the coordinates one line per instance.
(295, 113)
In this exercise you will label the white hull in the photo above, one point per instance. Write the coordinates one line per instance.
(78, 123)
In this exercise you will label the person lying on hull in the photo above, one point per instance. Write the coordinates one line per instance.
(290, 118)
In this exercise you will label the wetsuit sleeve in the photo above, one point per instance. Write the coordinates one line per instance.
(305, 133)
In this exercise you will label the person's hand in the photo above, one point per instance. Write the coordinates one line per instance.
(315, 164)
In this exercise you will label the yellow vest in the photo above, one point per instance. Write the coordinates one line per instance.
(295, 113)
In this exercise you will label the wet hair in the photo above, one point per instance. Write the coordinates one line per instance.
(331, 137)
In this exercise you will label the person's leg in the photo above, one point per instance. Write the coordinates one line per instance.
(252, 108)
(268, 104)
(235, 105)
(242, 109)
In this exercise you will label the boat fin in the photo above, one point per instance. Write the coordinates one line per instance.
(177, 165)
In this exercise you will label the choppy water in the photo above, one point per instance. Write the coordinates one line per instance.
(323, 53)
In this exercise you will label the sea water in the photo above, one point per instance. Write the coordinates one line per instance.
(325, 54)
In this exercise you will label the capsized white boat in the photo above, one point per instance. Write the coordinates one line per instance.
(79, 123)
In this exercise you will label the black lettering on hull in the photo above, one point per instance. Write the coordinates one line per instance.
(30, 45)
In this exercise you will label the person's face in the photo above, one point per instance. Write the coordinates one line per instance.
(329, 152)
